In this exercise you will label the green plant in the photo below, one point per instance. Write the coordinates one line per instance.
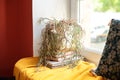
(59, 37)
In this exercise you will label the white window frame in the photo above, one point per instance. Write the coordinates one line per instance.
(90, 53)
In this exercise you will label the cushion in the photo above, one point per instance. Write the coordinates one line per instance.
(109, 64)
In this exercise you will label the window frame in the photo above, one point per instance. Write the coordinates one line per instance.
(91, 54)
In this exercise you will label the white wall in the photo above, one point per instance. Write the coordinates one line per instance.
(75, 9)
(59, 9)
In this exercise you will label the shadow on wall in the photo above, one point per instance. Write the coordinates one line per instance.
(37, 37)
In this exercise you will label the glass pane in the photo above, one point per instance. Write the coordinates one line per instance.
(95, 17)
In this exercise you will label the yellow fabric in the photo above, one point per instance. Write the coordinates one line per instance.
(25, 69)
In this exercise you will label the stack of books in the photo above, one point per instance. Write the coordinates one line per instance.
(61, 60)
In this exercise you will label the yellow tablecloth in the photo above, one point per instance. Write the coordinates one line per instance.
(25, 69)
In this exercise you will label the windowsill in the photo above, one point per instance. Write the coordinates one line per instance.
(94, 50)
(92, 55)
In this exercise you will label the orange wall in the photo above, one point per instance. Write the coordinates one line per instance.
(16, 40)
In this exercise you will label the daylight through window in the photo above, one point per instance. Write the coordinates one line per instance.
(94, 16)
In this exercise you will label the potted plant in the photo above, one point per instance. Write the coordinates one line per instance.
(60, 39)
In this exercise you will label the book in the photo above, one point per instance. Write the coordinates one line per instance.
(65, 54)
(54, 64)
(61, 57)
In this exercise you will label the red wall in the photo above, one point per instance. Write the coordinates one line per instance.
(16, 40)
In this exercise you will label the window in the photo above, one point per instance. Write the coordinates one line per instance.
(94, 16)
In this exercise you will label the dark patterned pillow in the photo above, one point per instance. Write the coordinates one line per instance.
(109, 65)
